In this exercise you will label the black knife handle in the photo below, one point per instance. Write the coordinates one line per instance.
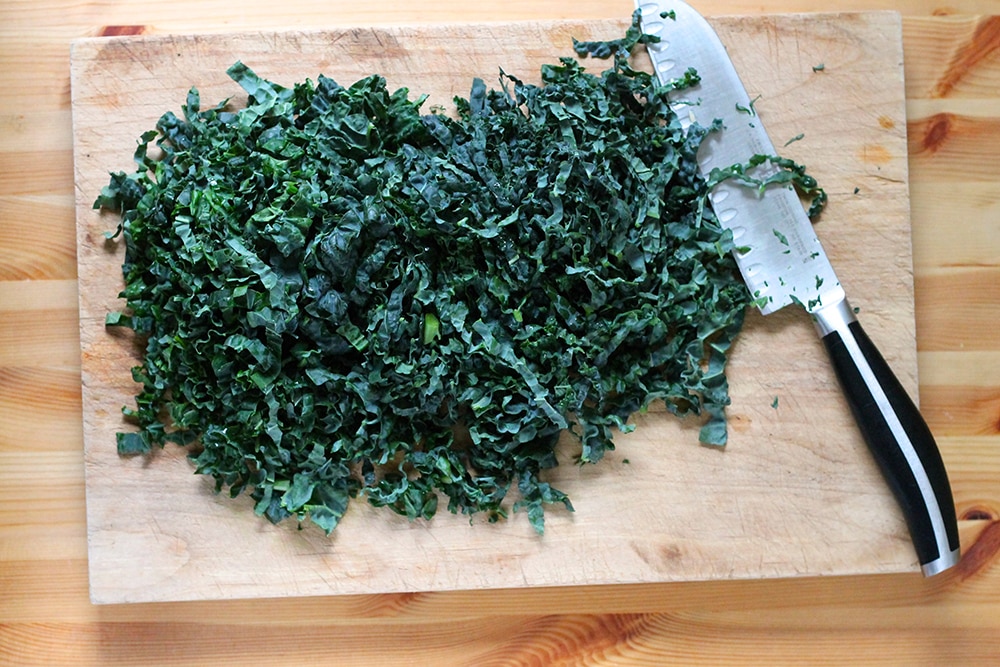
(897, 436)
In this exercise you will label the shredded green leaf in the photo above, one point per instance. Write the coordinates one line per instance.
(797, 137)
(779, 171)
(341, 296)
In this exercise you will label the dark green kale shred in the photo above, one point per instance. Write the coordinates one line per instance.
(341, 296)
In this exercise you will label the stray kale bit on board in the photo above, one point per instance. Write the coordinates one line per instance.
(340, 296)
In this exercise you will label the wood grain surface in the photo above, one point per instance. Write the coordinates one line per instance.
(952, 64)
(794, 493)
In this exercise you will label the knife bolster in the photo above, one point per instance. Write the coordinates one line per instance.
(834, 317)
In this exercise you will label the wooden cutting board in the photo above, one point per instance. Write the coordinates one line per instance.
(794, 493)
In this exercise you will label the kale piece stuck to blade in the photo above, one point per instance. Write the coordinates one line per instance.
(340, 296)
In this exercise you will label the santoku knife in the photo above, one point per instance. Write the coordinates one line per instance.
(783, 263)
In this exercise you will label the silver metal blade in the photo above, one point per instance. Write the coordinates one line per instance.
(783, 261)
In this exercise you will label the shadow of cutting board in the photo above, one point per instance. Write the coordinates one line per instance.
(794, 493)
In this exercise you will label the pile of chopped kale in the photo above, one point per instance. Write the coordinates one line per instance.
(342, 296)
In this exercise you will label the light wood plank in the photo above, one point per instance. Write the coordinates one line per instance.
(36, 240)
(42, 514)
(950, 147)
(35, 295)
(953, 58)
(974, 467)
(40, 338)
(35, 130)
(559, 640)
(40, 409)
(963, 225)
(974, 368)
(32, 172)
(87, 18)
(961, 410)
(956, 308)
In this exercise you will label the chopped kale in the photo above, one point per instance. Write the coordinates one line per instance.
(341, 296)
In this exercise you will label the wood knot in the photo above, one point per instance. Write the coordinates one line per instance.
(121, 30)
(937, 131)
(979, 513)
(886, 122)
(982, 553)
(985, 39)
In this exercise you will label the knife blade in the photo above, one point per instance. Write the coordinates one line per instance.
(783, 263)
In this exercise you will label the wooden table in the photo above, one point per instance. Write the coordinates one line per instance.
(952, 55)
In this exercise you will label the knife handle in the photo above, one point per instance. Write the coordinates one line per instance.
(897, 436)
